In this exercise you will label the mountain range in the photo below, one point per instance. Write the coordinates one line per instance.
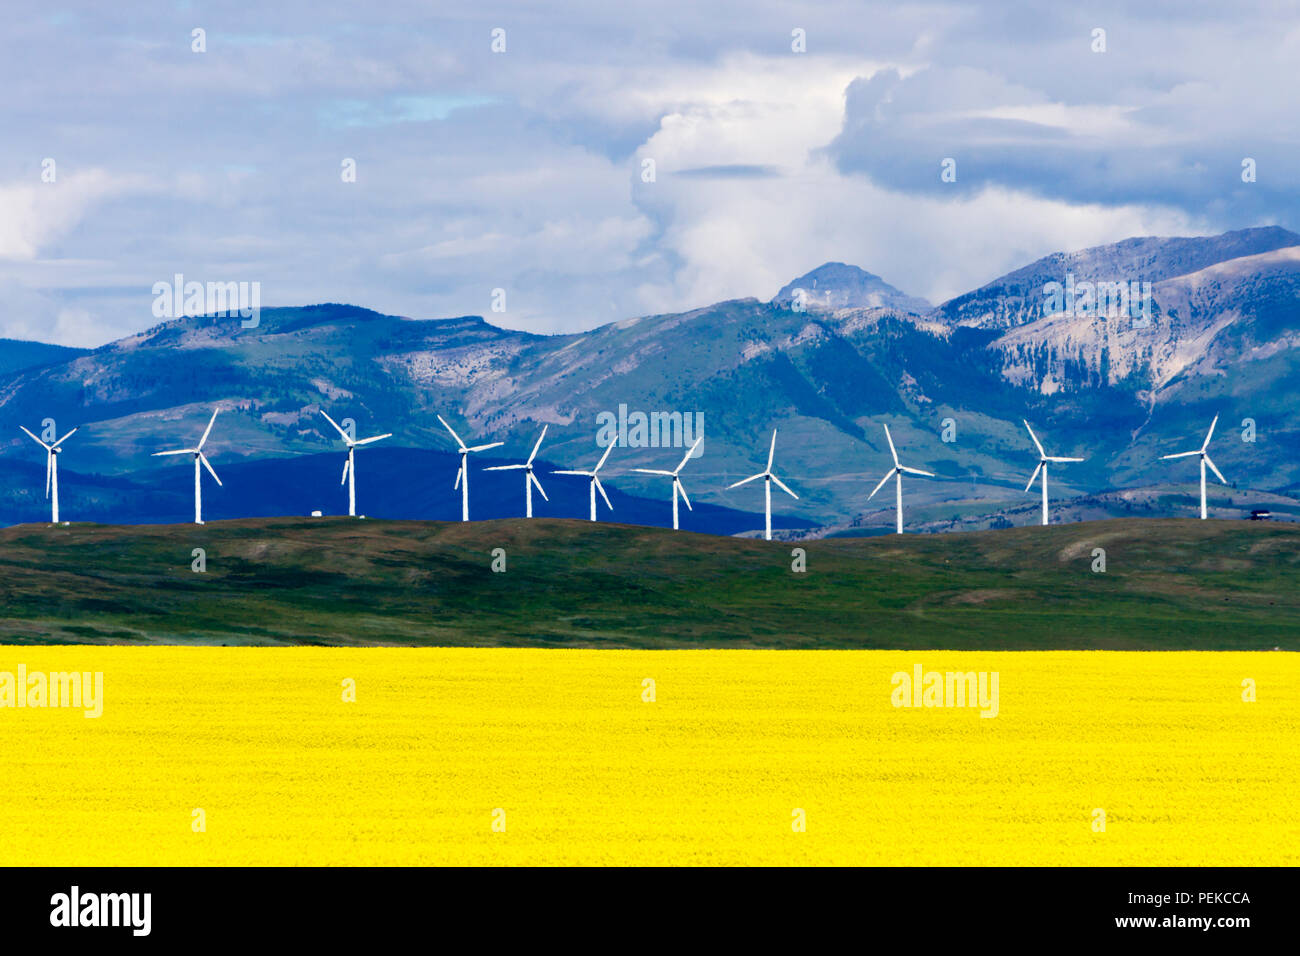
(826, 368)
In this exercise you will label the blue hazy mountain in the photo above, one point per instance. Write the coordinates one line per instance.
(1222, 340)
(16, 355)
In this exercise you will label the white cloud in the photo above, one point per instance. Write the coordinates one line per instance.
(34, 214)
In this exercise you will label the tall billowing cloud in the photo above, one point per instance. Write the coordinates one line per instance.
(422, 157)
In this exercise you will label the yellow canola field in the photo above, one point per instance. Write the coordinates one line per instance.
(495, 756)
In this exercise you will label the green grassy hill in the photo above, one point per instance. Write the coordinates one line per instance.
(1168, 584)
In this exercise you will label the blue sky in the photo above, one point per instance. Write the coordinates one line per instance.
(522, 170)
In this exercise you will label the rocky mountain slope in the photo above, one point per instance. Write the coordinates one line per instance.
(953, 383)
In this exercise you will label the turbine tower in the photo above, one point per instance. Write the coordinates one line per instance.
(768, 478)
(897, 473)
(675, 475)
(1043, 459)
(594, 475)
(1205, 460)
(350, 466)
(530, 479)
(199, 458)
(52, 453)
(462, 476)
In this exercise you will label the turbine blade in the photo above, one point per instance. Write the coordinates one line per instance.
(1216, 471)
(371, 441)
(655, 471)
(540, 439)
(889, 475)
(1181, 454)
(459, 472)
(49, 470)
(1210, 433)
(893, 451)
(459, 444)
(584, 474)
(687, 456)
(601, 489)
(916, 471)
(505, 468)
(771, 451)
(35, 439)
(183, 451)
(208, 431)
(347, 463)
(66, 437)
(533, 478)
(336, 426)
(495, 444)
(682, 488)
(746, 481)
(781, 484)
(1037, 443)
(208, 465)
(1050, 458)
(603, 458)
(1034, 476)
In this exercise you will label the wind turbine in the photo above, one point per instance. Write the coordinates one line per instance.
(1205, 460)
(897, 473)
(350, 466)
(530, 479)
(52, 453)
(594, 475)
(675, 475)
(462, 476)
(1043, 459)
(768, 478)
(197, 452)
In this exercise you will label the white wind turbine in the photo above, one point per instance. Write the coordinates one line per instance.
(897, 473)
(678, 488)
(199, 457)
(350, 466)
(594, 475)
(530, 479)
(768, 478)
(462, 476)
(1205, 460)
(52, 453)
(1043, 459)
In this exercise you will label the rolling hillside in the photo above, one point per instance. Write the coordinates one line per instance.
(1182, 584)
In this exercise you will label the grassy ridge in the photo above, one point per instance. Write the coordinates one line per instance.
(1169, 584)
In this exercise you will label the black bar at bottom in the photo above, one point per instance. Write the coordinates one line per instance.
(333, 906)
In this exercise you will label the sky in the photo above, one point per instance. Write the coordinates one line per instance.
(524, 169)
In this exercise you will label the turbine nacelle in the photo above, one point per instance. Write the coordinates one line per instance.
(462, 473)
(530, 479)
(350, 466)
(675, 475)
(196, 453)
(769, 477)
(897, 473)
(1204, 455)
(1041, 468)
(52, 451)
(594, 476)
